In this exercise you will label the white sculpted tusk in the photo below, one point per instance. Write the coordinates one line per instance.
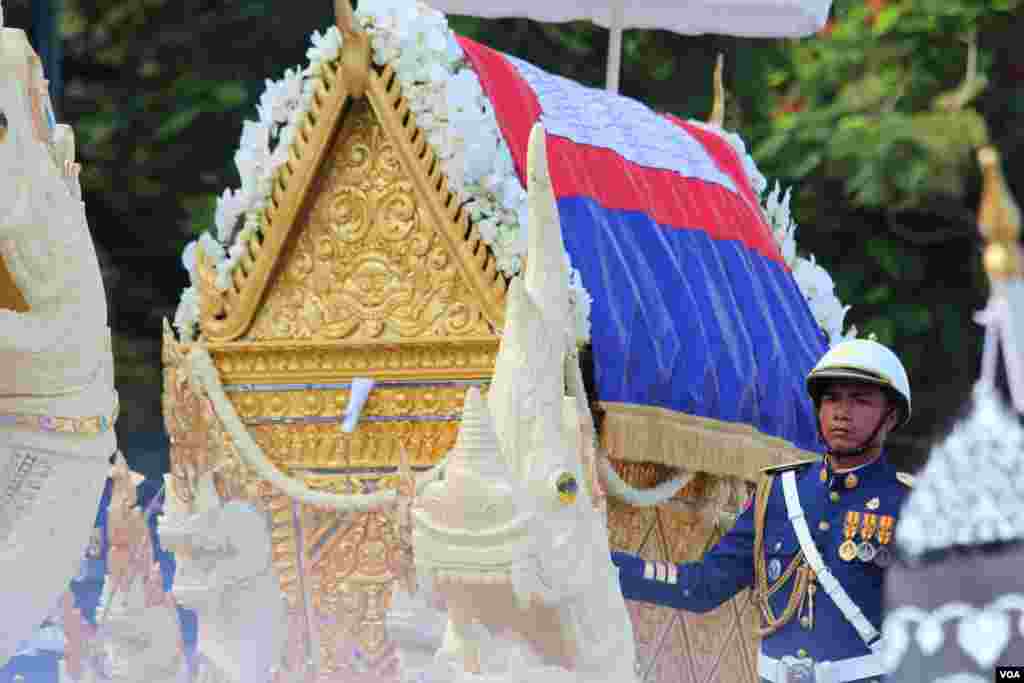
(642, 497)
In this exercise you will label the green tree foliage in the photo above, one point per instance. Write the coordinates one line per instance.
(877, 121)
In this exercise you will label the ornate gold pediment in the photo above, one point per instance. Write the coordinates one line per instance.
(363, 240)
(366, 263)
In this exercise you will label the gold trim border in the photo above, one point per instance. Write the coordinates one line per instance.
(294, 362)
(633, 433)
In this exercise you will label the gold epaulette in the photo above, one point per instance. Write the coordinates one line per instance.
(906, 479)
(775, 469)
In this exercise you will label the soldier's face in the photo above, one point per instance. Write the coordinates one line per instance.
(850, 412)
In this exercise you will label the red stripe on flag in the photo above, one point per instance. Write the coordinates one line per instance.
(669, 198)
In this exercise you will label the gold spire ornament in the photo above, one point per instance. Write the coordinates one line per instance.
(717, 117)
(355, 50)
(998, 218)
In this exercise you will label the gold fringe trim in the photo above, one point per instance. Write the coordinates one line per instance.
(633, 433)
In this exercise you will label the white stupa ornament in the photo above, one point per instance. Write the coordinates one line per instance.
(471, 520)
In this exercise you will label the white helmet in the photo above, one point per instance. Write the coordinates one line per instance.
(862, 360)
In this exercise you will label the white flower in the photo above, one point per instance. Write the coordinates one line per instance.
(230, 207)
(814, 281)
(211, 247)
(281, 98)
(253, 160)
(326, 46)
(186, 317)
(454, 51)
(463, 94)
(188, 259)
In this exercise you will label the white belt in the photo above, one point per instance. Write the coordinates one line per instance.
(841, 671)
(868, 633)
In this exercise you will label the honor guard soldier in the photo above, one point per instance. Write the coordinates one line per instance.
(814, 543)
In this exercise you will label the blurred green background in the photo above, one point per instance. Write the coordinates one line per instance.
(874, 121)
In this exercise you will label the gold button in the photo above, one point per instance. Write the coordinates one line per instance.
(801, 653)
(823, 525)
(824, 474)
(834, 496)
(851, 481)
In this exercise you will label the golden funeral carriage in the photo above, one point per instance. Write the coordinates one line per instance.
(357, 289)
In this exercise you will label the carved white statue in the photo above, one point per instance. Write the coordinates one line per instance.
(57, 400)
(510, 540)
(224, 573)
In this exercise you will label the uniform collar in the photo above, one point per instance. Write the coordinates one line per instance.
(854, 478)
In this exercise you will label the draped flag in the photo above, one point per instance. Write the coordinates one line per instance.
(694, 308)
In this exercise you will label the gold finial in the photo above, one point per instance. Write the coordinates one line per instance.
(717, 117)
(344, 17)
(998, 218)
(355, 50)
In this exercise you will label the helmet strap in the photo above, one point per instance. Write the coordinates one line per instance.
(860, 450)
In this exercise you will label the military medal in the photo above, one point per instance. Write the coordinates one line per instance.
(848, 548)
(774, 569)
(884, 557)
(866, 552)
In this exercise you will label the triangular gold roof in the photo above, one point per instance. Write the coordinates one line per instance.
(363, 242)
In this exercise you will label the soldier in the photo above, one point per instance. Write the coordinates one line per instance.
(815, 540)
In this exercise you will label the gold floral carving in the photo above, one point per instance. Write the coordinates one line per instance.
(366, 264)
(349, 227)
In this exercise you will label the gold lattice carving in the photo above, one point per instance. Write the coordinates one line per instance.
(673, 646)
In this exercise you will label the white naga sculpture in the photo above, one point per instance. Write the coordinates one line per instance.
(224, 574)
(57, 399)
(510, 540)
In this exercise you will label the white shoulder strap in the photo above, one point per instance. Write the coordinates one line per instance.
(868, 633)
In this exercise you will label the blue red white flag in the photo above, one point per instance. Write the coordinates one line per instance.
(694, 308)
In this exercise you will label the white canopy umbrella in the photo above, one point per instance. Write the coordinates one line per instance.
(747, 18)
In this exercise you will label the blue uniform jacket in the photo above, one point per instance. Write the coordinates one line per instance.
(728, 568)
